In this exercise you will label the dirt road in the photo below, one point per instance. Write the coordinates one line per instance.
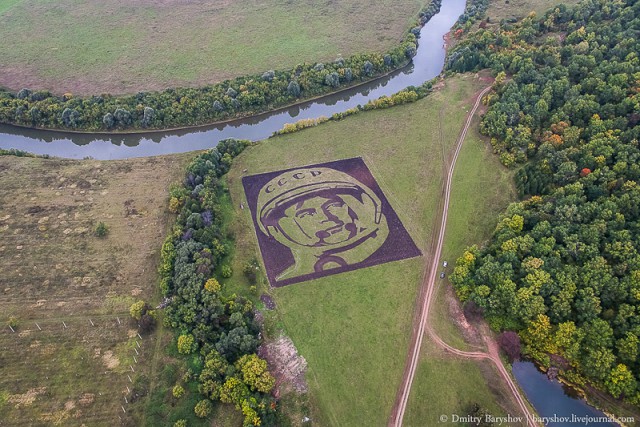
(426, 297)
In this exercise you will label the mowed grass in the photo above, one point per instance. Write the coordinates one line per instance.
(70, 358)
(354, 328)
(93, 47)
(444, 384)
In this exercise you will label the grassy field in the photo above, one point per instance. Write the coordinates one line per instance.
(68, 361)
(354, 328)
(114, 46)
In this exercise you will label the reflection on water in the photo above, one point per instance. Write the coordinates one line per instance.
(426, 65)
(550, 398)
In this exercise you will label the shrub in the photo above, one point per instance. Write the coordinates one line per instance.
(174, 205)
(250, 270)
(509, 341)
(217, 106)
(101, 229)
(203, 408)
(367, 68)
(233, 391)
(180, 423)
(70, 118)
(24, 93)
(255, 373)
(268, 75)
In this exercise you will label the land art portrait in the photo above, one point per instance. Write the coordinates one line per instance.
(323, 219)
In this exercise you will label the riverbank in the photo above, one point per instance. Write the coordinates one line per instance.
(426, 64)
(229, 99)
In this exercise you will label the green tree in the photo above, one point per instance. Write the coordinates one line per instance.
(255, 373)
(621, 381)
(177, 391)
(186, 344)
(203, 408)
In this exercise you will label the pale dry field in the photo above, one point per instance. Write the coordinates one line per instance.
(75, 349)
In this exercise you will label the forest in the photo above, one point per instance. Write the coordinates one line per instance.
(562, 268)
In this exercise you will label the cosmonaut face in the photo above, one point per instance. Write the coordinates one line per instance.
(320, 220)
(317, 208)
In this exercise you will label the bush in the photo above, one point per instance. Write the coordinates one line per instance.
(367, 68)
(180, 423)
(509, 341)
(255, 373)
(174, 205)
(23, 94)
(268, 76)
(101, 229)
(70, 118)
(251, 269)
(108, 120)
(332, 79)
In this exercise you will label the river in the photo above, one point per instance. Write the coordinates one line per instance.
(427, 64)
(553, 401)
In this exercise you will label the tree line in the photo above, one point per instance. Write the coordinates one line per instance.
(216, 331)
(180, 107)
(562, 268)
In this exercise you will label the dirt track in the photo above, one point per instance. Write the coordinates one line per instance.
(425, 298)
